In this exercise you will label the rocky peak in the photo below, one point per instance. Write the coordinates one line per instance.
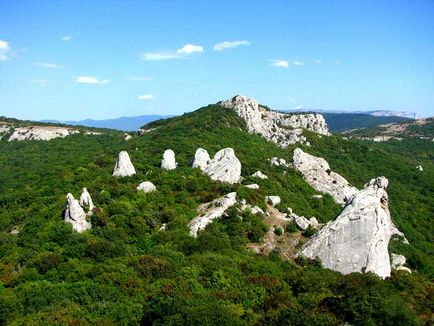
(357, 240)
(280, 128)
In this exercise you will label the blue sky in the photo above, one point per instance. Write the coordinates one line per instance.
(104, 59)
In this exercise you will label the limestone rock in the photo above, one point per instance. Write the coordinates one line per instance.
(257, 210)
(280, 128)
(314, 222)
(169, 162)
(224, 167)
(146, 187)
(273, 200)
(41, 133)
(398, 262)
(419, 167)
(124, 167)
(201, 159)
(316, 196)
(302, 222)
(127, 136)
(260, 175)
(278, 162)
(252, 186)
(211, 211)
(75, 214)
(357, 240)
(86, 200)
(316, 171)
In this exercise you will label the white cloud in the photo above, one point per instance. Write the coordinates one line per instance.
(318, 61)
(158, 56)
(91, 80)
(66, 38)
(146, 97)
(279, 63)
(228, 45)
(48, 65)
(298, 63)
(190, 49)
(4, 49)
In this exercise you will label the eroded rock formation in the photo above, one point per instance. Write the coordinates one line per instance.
(316, 171)
(146, 187)
(168, 162)
(201, 159)
(75, 214)
(225, 166)
(124, 167)
(357, 240)
(280, 128)
(211, 211)
(86, 200)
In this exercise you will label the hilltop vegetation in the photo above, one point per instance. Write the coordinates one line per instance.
(125, 271)
(339, 122)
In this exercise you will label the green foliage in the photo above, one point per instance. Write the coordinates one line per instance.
(125, 271)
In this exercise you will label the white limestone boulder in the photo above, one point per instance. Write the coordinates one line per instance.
(316, 171)
(75, 214)
(86, 200)
(301, 222)
(211, 211)
(146, 187)
(168, 162)
(225, 166)
(273, 200)
(260, 175)
(357, 240)
(201, 159)
(123, 166)
(252, 186)
(398, 262)
(278, 162)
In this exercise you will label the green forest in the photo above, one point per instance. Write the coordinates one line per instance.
(126, 271)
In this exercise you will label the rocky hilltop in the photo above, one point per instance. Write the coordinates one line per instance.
(280, 128)
(357, 240)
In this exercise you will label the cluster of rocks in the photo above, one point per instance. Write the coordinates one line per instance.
(398, 262)
(357, 240)
(75, 213)
(303, 223)
(316, 171)
(280, 128)
(279, 162)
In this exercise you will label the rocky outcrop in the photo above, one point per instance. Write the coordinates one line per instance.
(273, 200)
(169, 162)
(75, 214)
(316, 171)
(41, 133)
(253, 186)
(225, 166)
(127, 136)
(357, 240)
(146, 187)
(211, 211)
(280, 128)
(201, 159)
(302, 222)
(398, 262)
(86, 201)
(124, 167)
(419, 167)
(278, 162)
(260, 175)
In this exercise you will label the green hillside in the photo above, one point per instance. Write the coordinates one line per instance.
(338, 122)
(124, 271)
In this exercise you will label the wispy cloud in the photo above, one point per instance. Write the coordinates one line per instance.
(66, 38)
(186, 50)
(91, 80)
(146, 97)
(298, 63)
(229, 44)
(4, 49)
(190, 49)
(279, 63)
(48, 65)
(317, 61)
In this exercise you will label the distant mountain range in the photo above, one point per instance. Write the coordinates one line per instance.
(122, 123)
(377, 113)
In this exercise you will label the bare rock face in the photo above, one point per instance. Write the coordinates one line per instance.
(201, 159)
(168, 162)
(75, 215)
(41, 133)
(86, 200)
(357, 240)
(211, 211)
(225, 166)
(124, 167)
(146, 187)
(269, 124)
(316, 171)
(260, 175)
(273, 200)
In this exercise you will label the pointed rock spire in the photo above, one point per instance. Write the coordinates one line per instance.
(124, 167)
(75, 214)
